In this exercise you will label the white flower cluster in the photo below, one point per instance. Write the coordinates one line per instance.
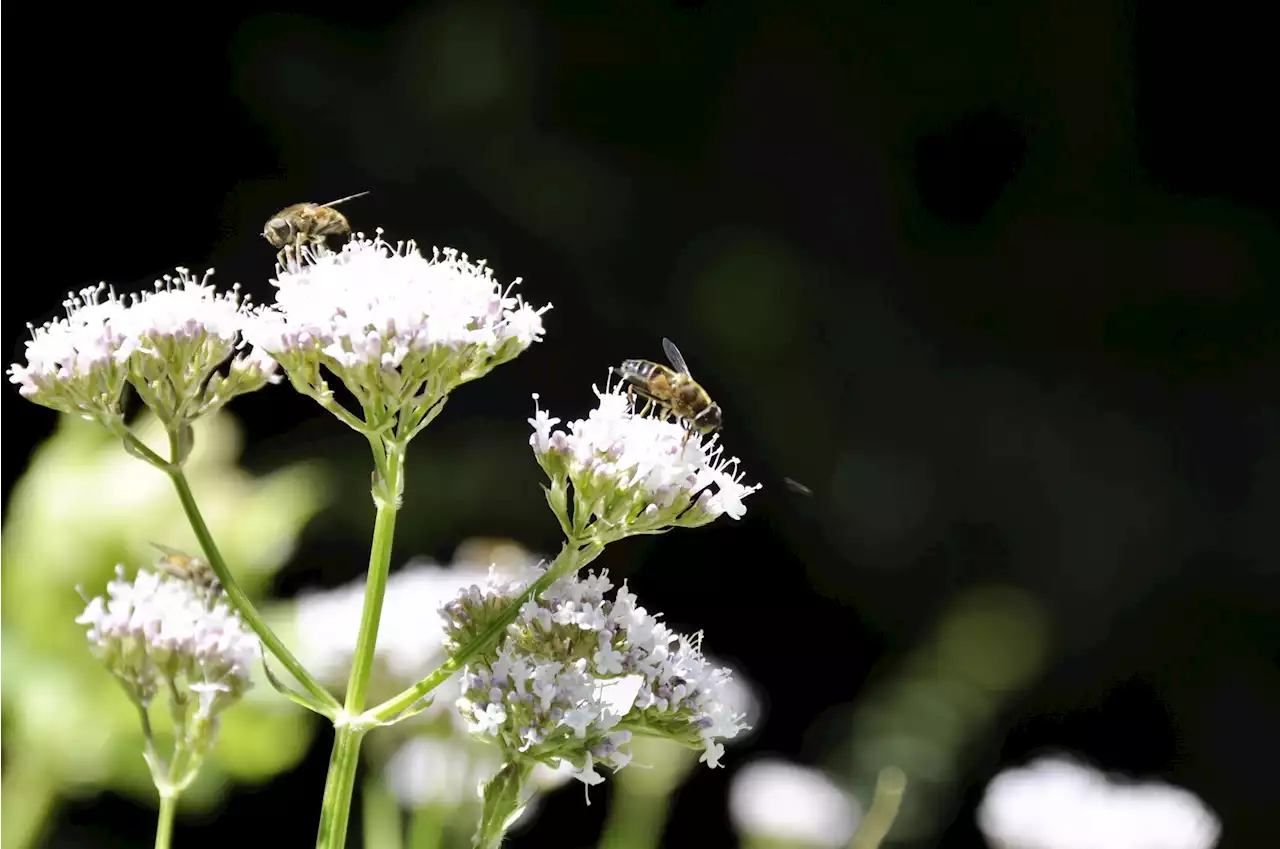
(1056, 803)
(775, 801)
(160, 632)
(166, 343)
(577, 672)
(399, 330)
(634, 474)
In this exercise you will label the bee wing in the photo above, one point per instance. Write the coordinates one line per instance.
(166, 550)
(674, 355)
(345, 199)
(797, 487)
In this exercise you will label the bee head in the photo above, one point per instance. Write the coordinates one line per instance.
(708, 421)
(279, 232)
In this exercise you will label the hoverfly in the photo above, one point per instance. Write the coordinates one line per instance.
(306, 223)
(194, 570)
(673, 391)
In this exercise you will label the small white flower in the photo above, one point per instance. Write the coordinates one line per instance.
(589, 777)
(1057, 803)
(488, 721)
(398, 329)
(541, 424)
(166, 343)
(791, 804)
(633, 473)
(608, 661)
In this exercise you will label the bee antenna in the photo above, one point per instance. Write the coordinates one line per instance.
(345, 199)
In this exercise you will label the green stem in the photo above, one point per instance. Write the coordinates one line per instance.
(164, 824)
(890, 785)
(426, 825)
(383, 822)
(335, 808)
(636, 819)
(573, 556)
(375, 588)
(237, 597)
(346, 746)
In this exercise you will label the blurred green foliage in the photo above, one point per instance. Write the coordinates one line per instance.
(83, 506)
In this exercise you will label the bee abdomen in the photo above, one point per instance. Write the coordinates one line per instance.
(642, 369)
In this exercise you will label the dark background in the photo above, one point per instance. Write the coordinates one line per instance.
(998, 284)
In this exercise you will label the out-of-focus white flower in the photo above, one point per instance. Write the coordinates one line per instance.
(634, 474)
(792, 804)
(166, 343)
(578, 671)
(439, 770)
(159, 633)
(410, 643)
(1057, 803)
(398, 329)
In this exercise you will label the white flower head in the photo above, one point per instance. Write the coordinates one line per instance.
(791, 804)
(438, 770)
(632, 473)
(400, 330)
(579, 670)
(166, 343)
(1058, 803)
(159, 633)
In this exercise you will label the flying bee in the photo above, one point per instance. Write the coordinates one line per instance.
(672, 391)
(193, 570)
(306, 223)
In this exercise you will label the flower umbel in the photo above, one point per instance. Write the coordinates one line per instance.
(398, 329)
(166, 343)
(633, 474)
(579, 673)
(158, 634)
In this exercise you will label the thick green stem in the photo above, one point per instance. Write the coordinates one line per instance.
(164, 823)
(635, 820)
(573, 556)
(237, 597)
(335, 810)
(340, 783)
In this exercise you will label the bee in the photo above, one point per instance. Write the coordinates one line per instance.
(306, 223)
(673, 391)
(193, 570)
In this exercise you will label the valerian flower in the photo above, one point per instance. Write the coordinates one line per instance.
(399, 330)
(167, 344)
(776, 801)
(1058, 803)
(578, 673)
(161, 634)
(617, 473)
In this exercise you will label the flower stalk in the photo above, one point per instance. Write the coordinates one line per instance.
(239, 600)
(340, 783)
(164, 821)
